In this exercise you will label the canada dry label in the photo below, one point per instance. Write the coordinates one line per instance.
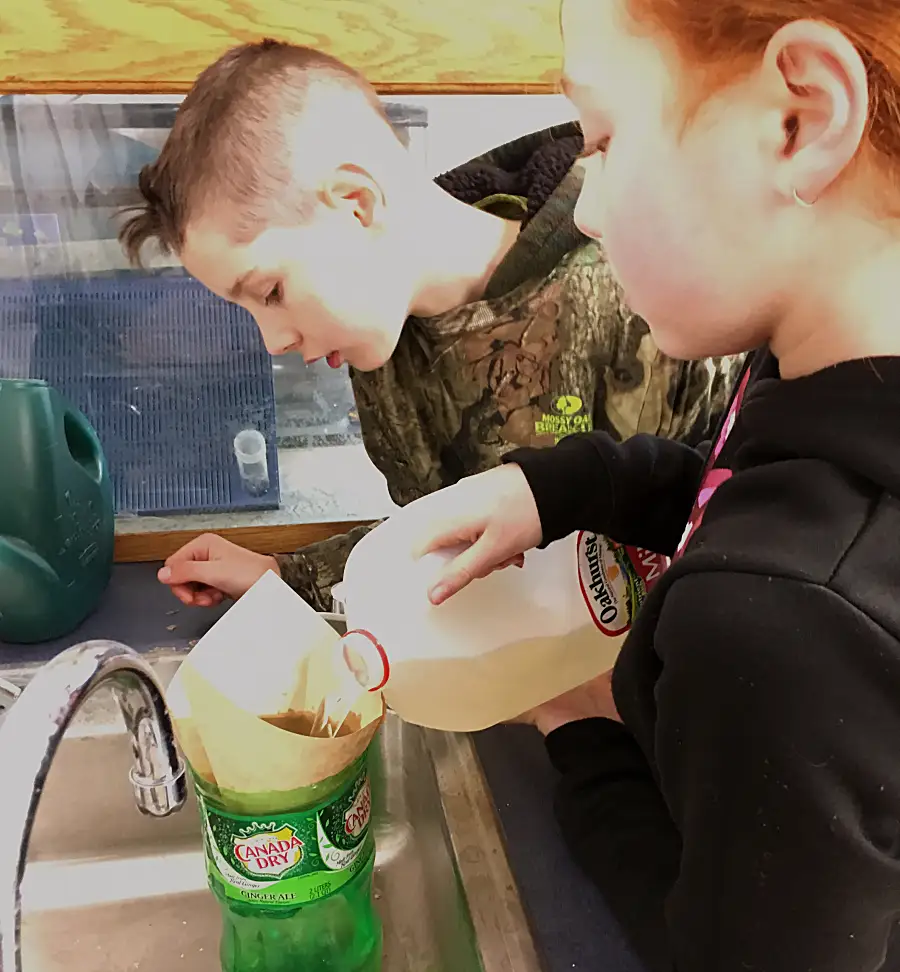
(292, 858)
(615, 580)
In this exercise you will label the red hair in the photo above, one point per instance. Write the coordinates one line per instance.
(726, 37)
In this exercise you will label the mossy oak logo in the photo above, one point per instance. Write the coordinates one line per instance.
(356, 819)
(568, 404)
(614, 580)
(269, 854)
(566, 415)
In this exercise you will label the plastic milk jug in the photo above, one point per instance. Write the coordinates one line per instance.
(501, 646)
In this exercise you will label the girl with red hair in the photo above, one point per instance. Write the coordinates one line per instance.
(734, 788)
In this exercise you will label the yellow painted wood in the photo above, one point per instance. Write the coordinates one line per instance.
(414, 46)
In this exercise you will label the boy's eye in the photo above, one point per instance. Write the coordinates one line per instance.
(274, 296)
(598, 146)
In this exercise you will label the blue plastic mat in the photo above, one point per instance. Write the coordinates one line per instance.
(166, 372)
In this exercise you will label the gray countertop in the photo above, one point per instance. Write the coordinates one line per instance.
(572, 926)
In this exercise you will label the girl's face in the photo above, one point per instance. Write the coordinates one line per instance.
(691, 217)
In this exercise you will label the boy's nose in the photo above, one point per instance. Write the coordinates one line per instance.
(283, 348)
(279, 342)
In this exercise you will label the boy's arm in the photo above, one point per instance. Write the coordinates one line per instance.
(639, 492)
(314, 569)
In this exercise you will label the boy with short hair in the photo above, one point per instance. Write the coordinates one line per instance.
(475, 317)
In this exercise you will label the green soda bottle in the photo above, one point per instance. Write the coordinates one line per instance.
(294, 875)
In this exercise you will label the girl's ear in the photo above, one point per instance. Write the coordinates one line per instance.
(821, 85)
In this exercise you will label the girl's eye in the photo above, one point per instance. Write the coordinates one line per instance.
(274, 296)
(598, 147)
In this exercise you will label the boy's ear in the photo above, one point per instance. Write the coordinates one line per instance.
(353, 187)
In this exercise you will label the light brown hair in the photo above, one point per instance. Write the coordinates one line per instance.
(228, 145)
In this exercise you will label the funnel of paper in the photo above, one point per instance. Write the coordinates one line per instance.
(245, 700)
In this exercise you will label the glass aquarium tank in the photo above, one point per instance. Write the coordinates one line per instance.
(175, 380)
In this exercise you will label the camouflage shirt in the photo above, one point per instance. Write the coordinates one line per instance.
(550, 350)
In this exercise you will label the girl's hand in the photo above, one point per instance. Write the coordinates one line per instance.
(593, 700)
(492, 514)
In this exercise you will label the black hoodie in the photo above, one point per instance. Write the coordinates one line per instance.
(747, 814)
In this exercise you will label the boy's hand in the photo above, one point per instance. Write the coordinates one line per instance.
(208, 569)
(493, 515)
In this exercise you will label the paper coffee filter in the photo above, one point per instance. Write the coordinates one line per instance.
(247, 755)
(187, 733)
(254, 664)
(255, 653)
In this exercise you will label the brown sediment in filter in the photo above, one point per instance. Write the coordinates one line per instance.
(245, 700)
(302, 723)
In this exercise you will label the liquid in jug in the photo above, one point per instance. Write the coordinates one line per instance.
(503, 645)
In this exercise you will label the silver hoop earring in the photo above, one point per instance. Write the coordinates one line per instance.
(802, 202)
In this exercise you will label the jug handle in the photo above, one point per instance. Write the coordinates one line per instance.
(367, 654)
(83, 444)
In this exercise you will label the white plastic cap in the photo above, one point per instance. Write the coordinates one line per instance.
(252, 461)
(249, 446)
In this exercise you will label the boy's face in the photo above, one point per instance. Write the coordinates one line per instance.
(327, 288)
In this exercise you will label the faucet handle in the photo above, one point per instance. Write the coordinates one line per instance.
(8, 693)
(159, 796)
(157, 775)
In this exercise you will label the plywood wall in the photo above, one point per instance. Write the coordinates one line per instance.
(161, 45)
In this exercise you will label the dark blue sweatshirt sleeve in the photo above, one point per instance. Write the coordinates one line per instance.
(639, 492)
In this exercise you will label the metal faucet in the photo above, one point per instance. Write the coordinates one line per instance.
(31, 733)
(8, 693)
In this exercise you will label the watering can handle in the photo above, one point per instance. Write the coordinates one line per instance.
(83, 444)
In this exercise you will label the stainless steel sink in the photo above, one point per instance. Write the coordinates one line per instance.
(109, 890)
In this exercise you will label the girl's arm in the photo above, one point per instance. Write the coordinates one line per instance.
(639, 492)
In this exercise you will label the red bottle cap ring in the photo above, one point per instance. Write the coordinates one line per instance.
(382, 654)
